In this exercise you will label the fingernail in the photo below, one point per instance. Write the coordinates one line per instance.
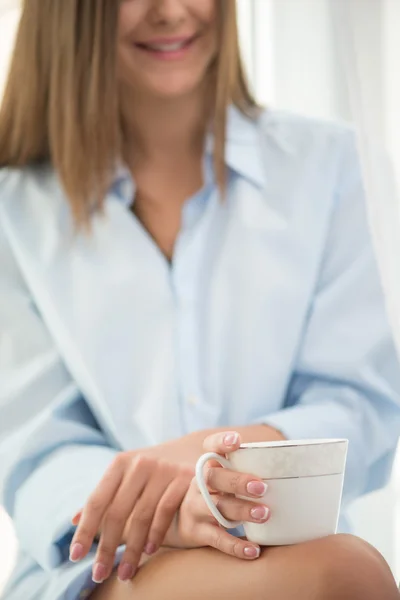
(150, 549)
(260, 513)
(76, 552)
(231, 439)
(257, 488)
(99, 573)
(126, 572)
(252, 552)
(76, 518)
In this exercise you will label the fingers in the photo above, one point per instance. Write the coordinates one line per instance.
(222, 443)
(118, 513)
(132, 498)
(165, 514)
(140, 523)
(241, 510)
(233, 509)
(93, 513)
(231, 482)
(218, 538)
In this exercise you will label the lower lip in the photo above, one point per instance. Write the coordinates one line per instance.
(168, 56)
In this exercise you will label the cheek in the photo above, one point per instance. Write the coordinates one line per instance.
(207, 14)
(130, 15)
(206, 9)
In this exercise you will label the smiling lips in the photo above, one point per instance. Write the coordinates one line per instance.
(167, 49)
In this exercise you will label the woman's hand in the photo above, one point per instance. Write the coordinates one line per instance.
(196, 527)
(138, 493)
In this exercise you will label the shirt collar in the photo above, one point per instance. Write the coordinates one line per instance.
(243, 155)
(243, 152)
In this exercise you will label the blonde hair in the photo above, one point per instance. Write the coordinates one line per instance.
(61, 98)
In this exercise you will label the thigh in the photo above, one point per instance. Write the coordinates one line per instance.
(206, 573)
(339, 568)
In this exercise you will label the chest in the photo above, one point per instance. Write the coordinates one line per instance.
(160, 196)
(159, 349)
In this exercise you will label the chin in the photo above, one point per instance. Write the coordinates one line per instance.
(174, 89)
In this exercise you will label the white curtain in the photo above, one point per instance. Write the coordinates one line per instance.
(9, 16)
(339, 59)
(368, 35)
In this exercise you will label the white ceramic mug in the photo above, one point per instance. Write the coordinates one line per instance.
(305, 482)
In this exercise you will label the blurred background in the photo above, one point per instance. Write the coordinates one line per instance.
(335, 59)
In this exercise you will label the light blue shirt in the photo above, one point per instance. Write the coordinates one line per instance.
(271, 312)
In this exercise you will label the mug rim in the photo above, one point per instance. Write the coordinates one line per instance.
(291, 443)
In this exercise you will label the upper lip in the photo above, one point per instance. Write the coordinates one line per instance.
(166, 41)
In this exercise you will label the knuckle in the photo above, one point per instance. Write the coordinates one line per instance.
(219, 503)
(119, 460)
(167, 470)
(106, 550)
(187, 472)
(236, 548)
(237, 482)
(95, 504)
(142, 518)
(160, 464)
(113, 518)
(169, 507)
(209, 477)
(141, 461)
(219, 541)
(84, 534)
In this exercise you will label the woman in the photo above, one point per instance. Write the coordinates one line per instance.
(177, 265)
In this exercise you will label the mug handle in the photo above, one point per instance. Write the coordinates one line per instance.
(224, 462)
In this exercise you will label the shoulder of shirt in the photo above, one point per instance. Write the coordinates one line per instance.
(32, 197)
(10, 178)
(40, 174)
(17, 183)
(296, 133)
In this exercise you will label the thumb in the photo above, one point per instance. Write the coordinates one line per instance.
(222, 443)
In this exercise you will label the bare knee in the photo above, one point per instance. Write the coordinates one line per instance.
(351, 569)
(333, 568)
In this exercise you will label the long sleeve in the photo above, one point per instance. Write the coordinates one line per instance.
(52, 453)
(346, 379)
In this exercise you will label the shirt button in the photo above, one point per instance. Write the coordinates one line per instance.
(85, 593)
(193, 400)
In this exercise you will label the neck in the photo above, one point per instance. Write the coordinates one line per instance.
(158, 128)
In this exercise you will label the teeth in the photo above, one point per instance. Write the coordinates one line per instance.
(167, 47)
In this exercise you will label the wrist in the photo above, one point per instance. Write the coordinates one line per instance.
(249, 433)
(260, 433)
(190, 447)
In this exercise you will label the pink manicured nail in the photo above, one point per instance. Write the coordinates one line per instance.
(260, 513)
(77, 516)
(150, 548)
(76, 552)
(231, 439)
(126, 572)
(257, 488)
(252, 552)
(99, 573)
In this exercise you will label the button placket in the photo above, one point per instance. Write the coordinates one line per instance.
(184, 276)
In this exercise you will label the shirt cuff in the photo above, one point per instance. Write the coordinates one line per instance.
(68, 478)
